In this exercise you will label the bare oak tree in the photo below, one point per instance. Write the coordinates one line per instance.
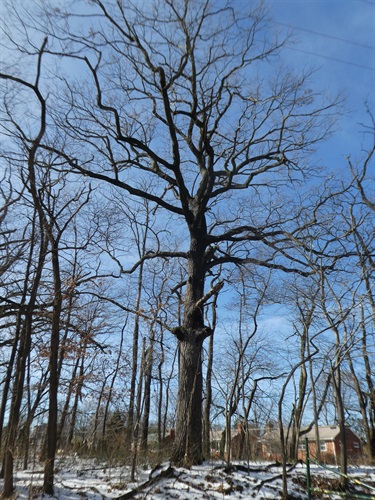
(171, 91)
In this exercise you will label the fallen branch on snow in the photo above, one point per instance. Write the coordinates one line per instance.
(278, 476)
(164, 474)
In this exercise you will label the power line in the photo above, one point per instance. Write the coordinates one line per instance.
(333, 58)
(325, 35)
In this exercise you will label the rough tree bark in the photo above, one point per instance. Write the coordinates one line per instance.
(191, 335)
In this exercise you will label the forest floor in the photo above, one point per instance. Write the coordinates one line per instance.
(86, 479)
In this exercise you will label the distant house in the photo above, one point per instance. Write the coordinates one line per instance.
(270, 445)
(330, 444)
(217, 443)
(244, 442)
(252, 443)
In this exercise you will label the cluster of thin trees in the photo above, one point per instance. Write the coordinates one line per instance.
(159, 198)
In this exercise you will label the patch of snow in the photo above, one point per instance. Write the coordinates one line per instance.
(78, 480)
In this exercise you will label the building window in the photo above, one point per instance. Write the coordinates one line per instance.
(323, 446)
(355, 445)
(302, 447)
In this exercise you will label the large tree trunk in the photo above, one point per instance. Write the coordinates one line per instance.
(188, 444)
(188, 448)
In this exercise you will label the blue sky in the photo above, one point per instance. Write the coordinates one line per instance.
(337, 37)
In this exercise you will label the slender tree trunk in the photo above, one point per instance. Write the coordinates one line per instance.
(77, 396)
(17, 390)
(112, 384)
(65, 410)
(361, 401)
(207, 406)
(208, 401)
(147, 392)
(30, 417)
(138, 416)
(283, 447)
(167, 391)
(336, 378)
(26, 451)
(161, 398)
(5, 390)
(18, 328)
(48, 484)
(369, 375)
(133, 380)
(93, 435)
(72, 381)
(146, 412)
(365, 258)
(48, 222)
(281, 426)
(245, 436)
(314, 404)
(298, 410)
(26, 426)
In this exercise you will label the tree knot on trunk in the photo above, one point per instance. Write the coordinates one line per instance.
(198, 334)
(179, 332)
(203, 333)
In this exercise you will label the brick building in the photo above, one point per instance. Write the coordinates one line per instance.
(330, 444)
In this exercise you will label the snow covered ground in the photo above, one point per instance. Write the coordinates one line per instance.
(84, 479)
